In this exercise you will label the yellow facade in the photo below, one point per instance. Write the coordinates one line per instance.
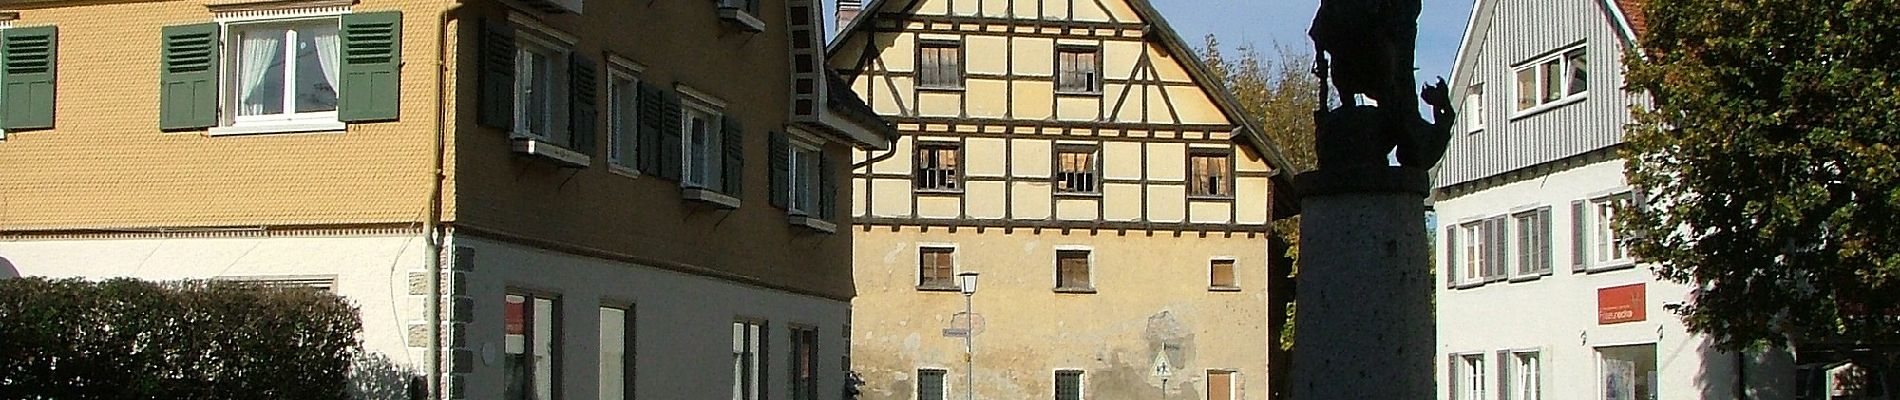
(1150, 239)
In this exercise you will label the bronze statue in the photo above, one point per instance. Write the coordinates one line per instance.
(1365, 47)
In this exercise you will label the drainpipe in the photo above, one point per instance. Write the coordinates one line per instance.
(881, 157)
(431, 236)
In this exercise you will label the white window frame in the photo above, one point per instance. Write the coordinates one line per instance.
(1608, 250)
(623, 75)
(1535, 67)
(556, 130)
(698, 103)
(1526, 382)
(1474, 108)
(1469, 373)
(229, 123)
(803, 158)
(1537, 247)
(1473, 251)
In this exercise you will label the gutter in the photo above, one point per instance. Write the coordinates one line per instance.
(431, 235)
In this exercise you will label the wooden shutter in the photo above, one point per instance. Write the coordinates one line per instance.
(1220, 385)
(827, 186)
(652, 126)
(780, 182)
(372, 67)
(31, 63)
(497, 76)
(188, 78)
(1544, 242)
(583, 108)
(671, 141)
(1451, 256)
(1579, 241)
(732, 155)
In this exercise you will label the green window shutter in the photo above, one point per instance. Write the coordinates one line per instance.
(732, 156)
(583, 111)
(1500, 251)
(1544, 230)
(1579, 245)
(827, 186)
(671, 151)
(1451, 256)
(31, 63)
(188, 77)
(497, 76)
(652, 104)
(779, 157)
(371, 67)
(1504, 373)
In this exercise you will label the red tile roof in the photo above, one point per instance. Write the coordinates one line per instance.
(1633, 11)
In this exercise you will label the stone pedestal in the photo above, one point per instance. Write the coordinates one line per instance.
(1364, 328)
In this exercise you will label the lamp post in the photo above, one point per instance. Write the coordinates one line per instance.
(966, 283)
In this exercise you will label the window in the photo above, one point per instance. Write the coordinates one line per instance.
(282, 72)
(702, 132)
(1532, 243)
(1474, 108)
(936, 268)
(1077, 70)
(939, 167)
(1519, 377)
(1220, 275)
(748, 339)
(1467, 377)
(805, 169)
(1552, 78)
(532, 347)
(1072, 270)
(540, 92)
(1076, 168)
(930, 384)
(940, 64)
(804, 355)
(1480, 251)
(1608, 247)
(1210, 173)
(623, 119)
(1628, 372)
(1220, 385)
(1068, 385)
(616, 353)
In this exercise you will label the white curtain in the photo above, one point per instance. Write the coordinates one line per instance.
(327, 52)
(258, 52)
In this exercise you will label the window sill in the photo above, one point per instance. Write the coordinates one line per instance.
(1223, 288)
(553, 152)
(1084, 195)
(1526, 278)
(939, 192)
(1079, 94)
(941, 88)
(1228, 197)
(951, 289)
(813, 224)
(743, 19)
(710, 197)
(1072, 290)
(277, 127)
(618, 169)
(1611, 266)
(1541, 108)
(1467, 285)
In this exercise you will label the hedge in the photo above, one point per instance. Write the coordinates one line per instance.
(131, 339)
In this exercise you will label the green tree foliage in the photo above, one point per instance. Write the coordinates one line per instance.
(130, 339)
(1281, 93)
(1769, 161)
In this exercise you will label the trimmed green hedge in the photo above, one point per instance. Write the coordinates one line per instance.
(131, 339)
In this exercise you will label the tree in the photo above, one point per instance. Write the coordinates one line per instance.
(1281, 95)
(1768, 161)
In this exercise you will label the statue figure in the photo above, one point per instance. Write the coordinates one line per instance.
(1365, 48)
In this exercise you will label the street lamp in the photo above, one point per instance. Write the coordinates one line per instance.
(966, 283)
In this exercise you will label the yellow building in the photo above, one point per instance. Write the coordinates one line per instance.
(1077, 154)
(526, 198)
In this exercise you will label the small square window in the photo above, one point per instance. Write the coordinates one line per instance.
(1220, 275)
(1072, 270)
(940, 64)
(1212, 174)
(1077, 170)
(936, 268)
(939, 167)
(1078, 70)
(1553, 78)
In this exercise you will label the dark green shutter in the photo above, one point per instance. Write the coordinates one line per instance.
(671, 142)
(583, 110)
(497, 77)
(652, 104)
(827, 186)
(372, 67)
(1579, 243)
(732, 156)
(31, 56)
(1451, 256)
(188, 77)
(1500, 249)
(780, 183)
(1545, 230)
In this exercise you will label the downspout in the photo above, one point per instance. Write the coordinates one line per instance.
(1741, 375)
(433, 263)
(881, 157)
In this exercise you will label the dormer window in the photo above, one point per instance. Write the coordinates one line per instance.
(1560, 77)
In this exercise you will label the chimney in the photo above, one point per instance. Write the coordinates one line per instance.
(848, 11)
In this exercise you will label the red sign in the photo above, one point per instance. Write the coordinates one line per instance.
(1621, 304)
(514, 316)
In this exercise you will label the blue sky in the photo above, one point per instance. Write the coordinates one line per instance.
(1265, 22)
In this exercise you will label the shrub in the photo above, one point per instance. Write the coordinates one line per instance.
(131, 339)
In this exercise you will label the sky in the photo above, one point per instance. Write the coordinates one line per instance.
(1262, 23)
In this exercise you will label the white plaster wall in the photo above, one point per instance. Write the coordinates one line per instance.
(372, 271)
(1557, 313)
(682, 323)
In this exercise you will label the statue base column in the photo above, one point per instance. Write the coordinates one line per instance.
(1364, 327)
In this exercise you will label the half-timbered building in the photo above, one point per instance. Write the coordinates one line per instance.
(1078, 155)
